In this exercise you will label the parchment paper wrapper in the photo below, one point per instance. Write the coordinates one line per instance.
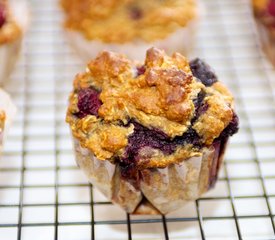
(180, 41)
(157, 191)
(267, 38)
(9, 52)
(9, 108)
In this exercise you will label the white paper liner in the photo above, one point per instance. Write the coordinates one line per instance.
(160, 190)
(267, 39)
(9, 52)
(180, 41)
(6, 105)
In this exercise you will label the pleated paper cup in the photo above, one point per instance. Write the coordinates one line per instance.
(158, 190)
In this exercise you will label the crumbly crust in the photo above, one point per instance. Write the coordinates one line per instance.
(128, 20)
(10, 31)
(160, 98)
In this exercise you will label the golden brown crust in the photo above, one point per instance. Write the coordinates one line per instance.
(10, 31)
(127, 20)
(160, 98)
(259, 5)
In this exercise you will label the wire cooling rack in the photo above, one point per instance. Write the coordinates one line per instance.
(43, 195)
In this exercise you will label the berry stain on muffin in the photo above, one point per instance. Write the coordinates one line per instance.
(88, 102)
(2, 14)
(135, 12)
(141, 70)
(271, 8)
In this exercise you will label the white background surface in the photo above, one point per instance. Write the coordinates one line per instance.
(40, 183)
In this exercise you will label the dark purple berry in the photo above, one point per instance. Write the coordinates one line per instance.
(232, 127)
(271, 7)
(155, 139)
(130, 172)
(135, 13)
(203, 72)
(201, 109)
(200, 106)
(88, 102)
(144, 137)
(198, 101)
(2, 14)
(141, 70)
(189, 137)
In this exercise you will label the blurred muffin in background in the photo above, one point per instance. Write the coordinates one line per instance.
(7, 112)
(130, 26)
(264, 12)
(13, 24)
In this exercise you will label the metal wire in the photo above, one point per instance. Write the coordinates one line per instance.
(38, 157)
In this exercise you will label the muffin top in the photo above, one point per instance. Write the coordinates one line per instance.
(265, 11)
(120, 21)
(160, 112)
(9, 30)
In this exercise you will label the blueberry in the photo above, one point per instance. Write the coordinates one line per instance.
(156, 139)
(189, 137)
(2, 14)
(203, 72)
(88, 102)
(144, 137)
(135, 13)
(200, 106)
(232, 127)
(271, 7)
(141, 70)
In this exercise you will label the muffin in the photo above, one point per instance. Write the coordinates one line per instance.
(264, 12)
(13, 24)
(130, 26)
(7, 112)
(150, 136)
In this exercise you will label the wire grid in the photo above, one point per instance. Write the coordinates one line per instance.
(43, 195)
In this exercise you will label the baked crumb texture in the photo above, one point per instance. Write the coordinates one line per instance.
(264, 12)
(9, 29)
(122, 21)
(141, 127)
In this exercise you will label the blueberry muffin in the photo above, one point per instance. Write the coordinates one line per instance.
(150, 136)
(264, 12)
(7, 112)
(13, 24)
(130, 26)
